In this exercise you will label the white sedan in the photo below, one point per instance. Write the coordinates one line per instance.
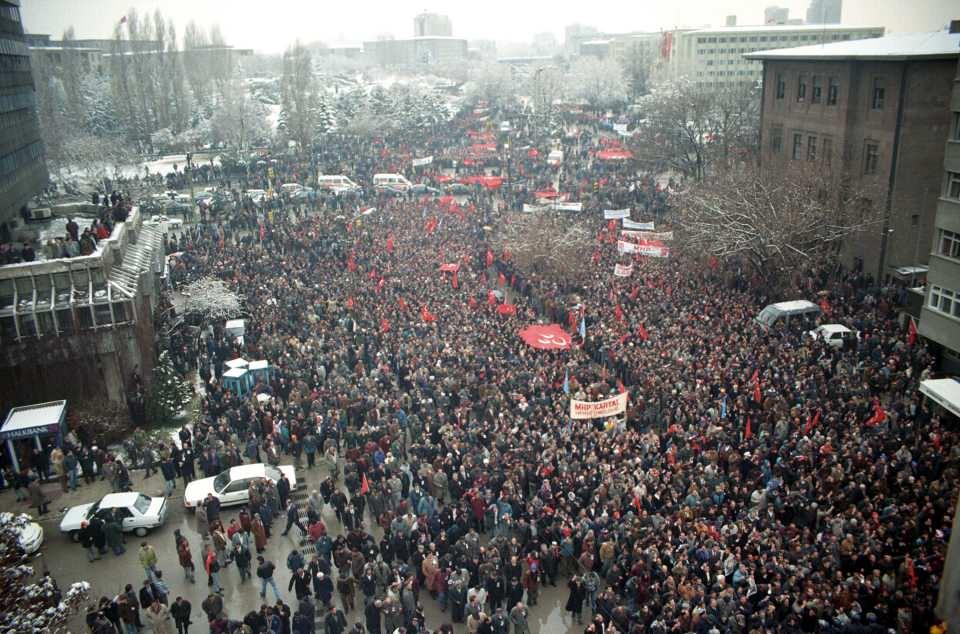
(138, 513)
(835, 335)
(231, 487)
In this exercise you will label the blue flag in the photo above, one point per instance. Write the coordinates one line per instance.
(566, 381)
(583, 328)
(723, 407)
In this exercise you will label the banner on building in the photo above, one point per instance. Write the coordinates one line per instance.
(616, 214)
(420, 162)
(598, 409)
(621, 270)
(640, 226)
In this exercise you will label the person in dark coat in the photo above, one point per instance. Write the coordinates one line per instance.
(180, 611)
(335, 621)
(283, 490)
(323, 588)
(300, 583)
(575, 599)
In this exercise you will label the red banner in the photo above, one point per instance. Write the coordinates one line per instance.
(548, 337)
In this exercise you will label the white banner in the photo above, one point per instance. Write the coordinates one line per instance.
(623, 271)
(642, 226)
(598, 409)
(625, 247)
(566, 206)
(652, 250)
(616, 214)
(419, 162)
(621, 129)
(529, 209)
(644, 236)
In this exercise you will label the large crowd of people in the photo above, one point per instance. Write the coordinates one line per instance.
(760, 480)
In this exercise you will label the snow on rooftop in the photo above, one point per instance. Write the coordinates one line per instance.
(31, 416)
(899, 46)
(785, 27)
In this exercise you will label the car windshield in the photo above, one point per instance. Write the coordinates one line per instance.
(272, 472)
(142, 504)
(221, 481)
(93, 509)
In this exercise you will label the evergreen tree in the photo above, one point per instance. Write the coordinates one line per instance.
(169, 394)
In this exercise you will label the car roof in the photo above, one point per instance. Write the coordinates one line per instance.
(118, 500)
(795, 305)
(834, 328)
(258, 470)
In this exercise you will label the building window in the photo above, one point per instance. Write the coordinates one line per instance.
(953, 185)
(811, 148)
(797, 145)
(827, 151)
(776, 140)
(781, 86)
(879, 93)
(948, 244)
(955, 133)
(944, 300)
(833, 91)
(871, 158)
(816, 90)
(802, 88)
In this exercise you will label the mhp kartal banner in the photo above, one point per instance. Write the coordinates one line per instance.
(598, 409)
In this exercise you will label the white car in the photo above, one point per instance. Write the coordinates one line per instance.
(835, 335)
(138, 513)
(231, 486)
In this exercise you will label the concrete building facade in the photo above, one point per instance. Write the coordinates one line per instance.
(824, 11)
(432, 25)
(873, 113)
(715, 57)
(940, 315)
(415, 51)
(23, 172)
(773, 15)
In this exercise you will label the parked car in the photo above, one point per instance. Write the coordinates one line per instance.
(231, 486)
(836, 335)
(30, 537)
(139, 513)
(458, 189)
(786, 312)
(421, 189)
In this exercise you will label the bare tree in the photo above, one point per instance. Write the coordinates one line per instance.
(545, 87)
(549, 243)
(493, 83)
(775, 221)
(212, 299)
(599, 82)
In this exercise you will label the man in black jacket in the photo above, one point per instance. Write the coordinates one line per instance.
(180, 611)
(300, 581)
(372, 614)
(335, 622)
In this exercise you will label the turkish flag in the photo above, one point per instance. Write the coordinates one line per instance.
(748, 432)
(455, 281)
(825, 306)
(502, 279)
(350, 303)
(426, 315)
(618, 312)
(642, 332)
(380, 285)
(390, 243)
(384, 325)
(489, 258)
(472, 302)
(351, 262)
(402, 304)
(912, 332)
(596, 257)
(812, 422)
(431, 226)
(621, 387)
(634, 292)
(878, 414)
(507, 309)
(364, 485)
(491, 298)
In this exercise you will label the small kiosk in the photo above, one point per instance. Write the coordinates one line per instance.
(31, 423)
(236, 328)
(233, 364)
(260, 371)
(237, 380)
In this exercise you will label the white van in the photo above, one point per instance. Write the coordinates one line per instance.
(335, 183)
(785, 311)
(391, 182)
(290, 188)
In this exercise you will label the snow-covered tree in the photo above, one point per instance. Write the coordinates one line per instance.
(168, 393)
(31, 606)
(212, 299)
(298, 95)
(323, 119)
(599, 82)
(493, 83)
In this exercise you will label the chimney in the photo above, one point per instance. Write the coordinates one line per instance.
(732, 20)
(955, 26)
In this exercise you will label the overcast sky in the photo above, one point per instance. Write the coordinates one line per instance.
(270, 25)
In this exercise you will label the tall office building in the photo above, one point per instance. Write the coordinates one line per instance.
(432, 25)
(22, 169)
(824, 11)
(776, 15)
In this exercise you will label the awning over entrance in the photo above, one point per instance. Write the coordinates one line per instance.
(945, 392)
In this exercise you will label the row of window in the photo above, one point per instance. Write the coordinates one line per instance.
(18, 101)
(775, 38)
(25, 155)
(948, 244)
(812, 146)
(953, 185)
(721, 73)
(944, 300)
(815, 89)
(731, 62)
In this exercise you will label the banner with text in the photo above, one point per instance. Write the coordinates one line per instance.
(598, 409)
(623, 271)
(616, 214)
(652, 250)
(641, 226)
(649, 236)
(529, 209)
(420, 162)
(625, 247)
(566, 206)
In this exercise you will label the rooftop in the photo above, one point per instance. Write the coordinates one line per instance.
(32, 416)
(775, 28)
(938, 44)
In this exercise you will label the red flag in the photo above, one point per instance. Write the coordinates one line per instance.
(596, 257)
(623, 338)
(507, 309)
(912, 332)
(755, 379)
(384, 325)
(621, 387)
(713, 262)
(472, 302)
(878, 414)
(454, 280)
(364, 485)
(506, 255)
(636, 503)
(372, 274)
(350, 303)
(263, 233)
(431, 226)
(642, 332)
(489, 258)
(402, 304)
(618, 312)
(390, 243)
(824, 305)
(502, 279)
(748, 432)
(351, 261)
(612, 225)
(426, 315)
(812, 422)
(634, 292)
(380, 285)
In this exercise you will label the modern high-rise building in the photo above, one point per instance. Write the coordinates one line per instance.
(872, 113)
(23, 172)
(776, 15)
(824, 11)
(432, 25)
